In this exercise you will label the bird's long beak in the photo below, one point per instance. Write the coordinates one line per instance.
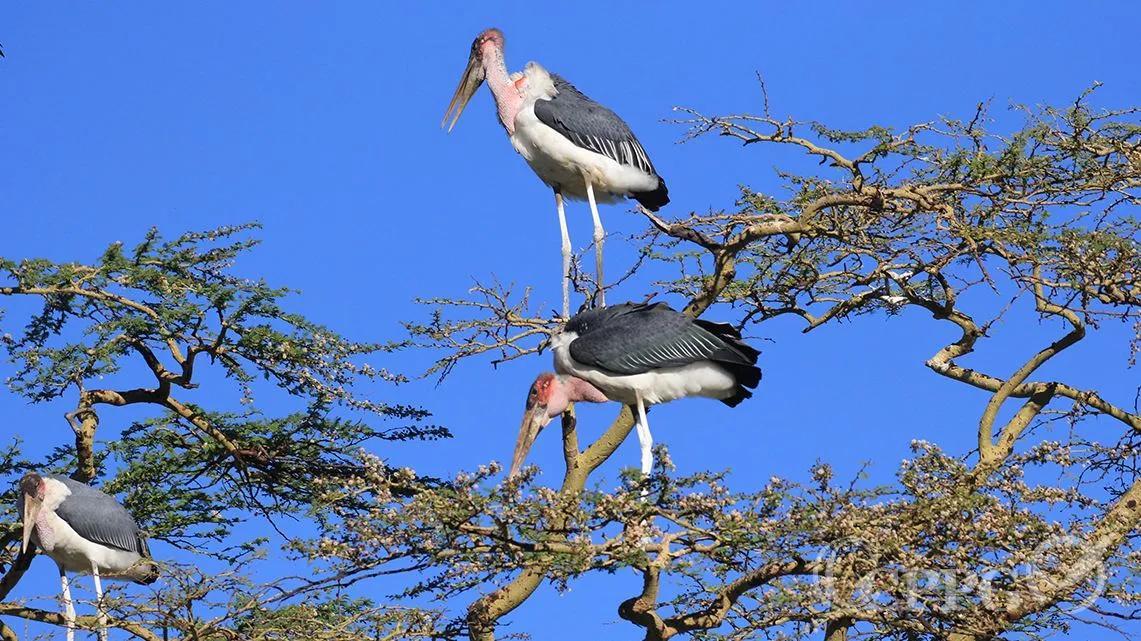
(533, 422)
(31, 510)
(469, 83)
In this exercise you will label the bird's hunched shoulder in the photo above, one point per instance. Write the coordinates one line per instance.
(636, 338)
(98, 517)
(591, 126)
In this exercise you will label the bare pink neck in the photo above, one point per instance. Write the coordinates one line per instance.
(579, 390)
(507, 98)
(568, 389)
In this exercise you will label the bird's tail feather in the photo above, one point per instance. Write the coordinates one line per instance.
(739, 395)
(746, 375)
(144, 572)
(656, 199)
(742, 362)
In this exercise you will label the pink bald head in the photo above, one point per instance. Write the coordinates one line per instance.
(549, 396)
(33, 485)
(486, 63)
(34, 490)
(492, 36)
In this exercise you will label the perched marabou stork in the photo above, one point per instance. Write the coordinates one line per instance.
(576, 146)
(84, 531)
(638, 354)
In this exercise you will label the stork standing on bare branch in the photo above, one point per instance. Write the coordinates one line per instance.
(84, 531)
(579, 148)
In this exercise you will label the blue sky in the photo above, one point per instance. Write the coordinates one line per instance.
(321, 121)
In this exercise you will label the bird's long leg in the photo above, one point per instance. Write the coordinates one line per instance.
(644, 438)
(68, 606)
(99, 603)
(566, 252)
(599, 236)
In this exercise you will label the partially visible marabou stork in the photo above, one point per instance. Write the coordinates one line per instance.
(638, 354)
(84, 531)
(576, 146)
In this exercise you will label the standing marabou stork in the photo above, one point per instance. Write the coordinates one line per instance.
(579, 148)
(84, 531)
(638, 354)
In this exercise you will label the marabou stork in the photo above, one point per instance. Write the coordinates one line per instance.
(576, 146)
(84, 531)
(638, 354)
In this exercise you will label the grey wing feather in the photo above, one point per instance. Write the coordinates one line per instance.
(592, 126)
(639, 338)
(100, 518)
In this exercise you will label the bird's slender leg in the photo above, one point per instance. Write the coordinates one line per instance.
(599, 236)
(566, 252)
(644, 437)
(99, 603)
(68, 606)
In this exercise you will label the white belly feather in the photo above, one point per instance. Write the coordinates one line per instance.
(561, 163)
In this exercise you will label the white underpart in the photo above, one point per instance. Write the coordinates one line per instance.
(67, 548)
(705, 378)
(561, 163)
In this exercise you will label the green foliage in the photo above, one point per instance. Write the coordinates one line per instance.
(146, 327)
(967, 226)
(183, 297)
(943, 217)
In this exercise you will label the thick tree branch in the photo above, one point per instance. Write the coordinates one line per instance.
(83, 622)
(485, 612)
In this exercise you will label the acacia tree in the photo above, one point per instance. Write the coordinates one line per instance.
(999, 542)
(176, 312)
(942, 217)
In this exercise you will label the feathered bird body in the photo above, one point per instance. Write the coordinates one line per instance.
(567, 138)
(638, 354)
(78, 525)
(654, 351)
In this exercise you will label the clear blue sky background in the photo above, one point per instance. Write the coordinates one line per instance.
(322, 122)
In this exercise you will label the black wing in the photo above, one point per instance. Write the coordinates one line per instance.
(632, 339)
(592, 126)
(100, 518)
